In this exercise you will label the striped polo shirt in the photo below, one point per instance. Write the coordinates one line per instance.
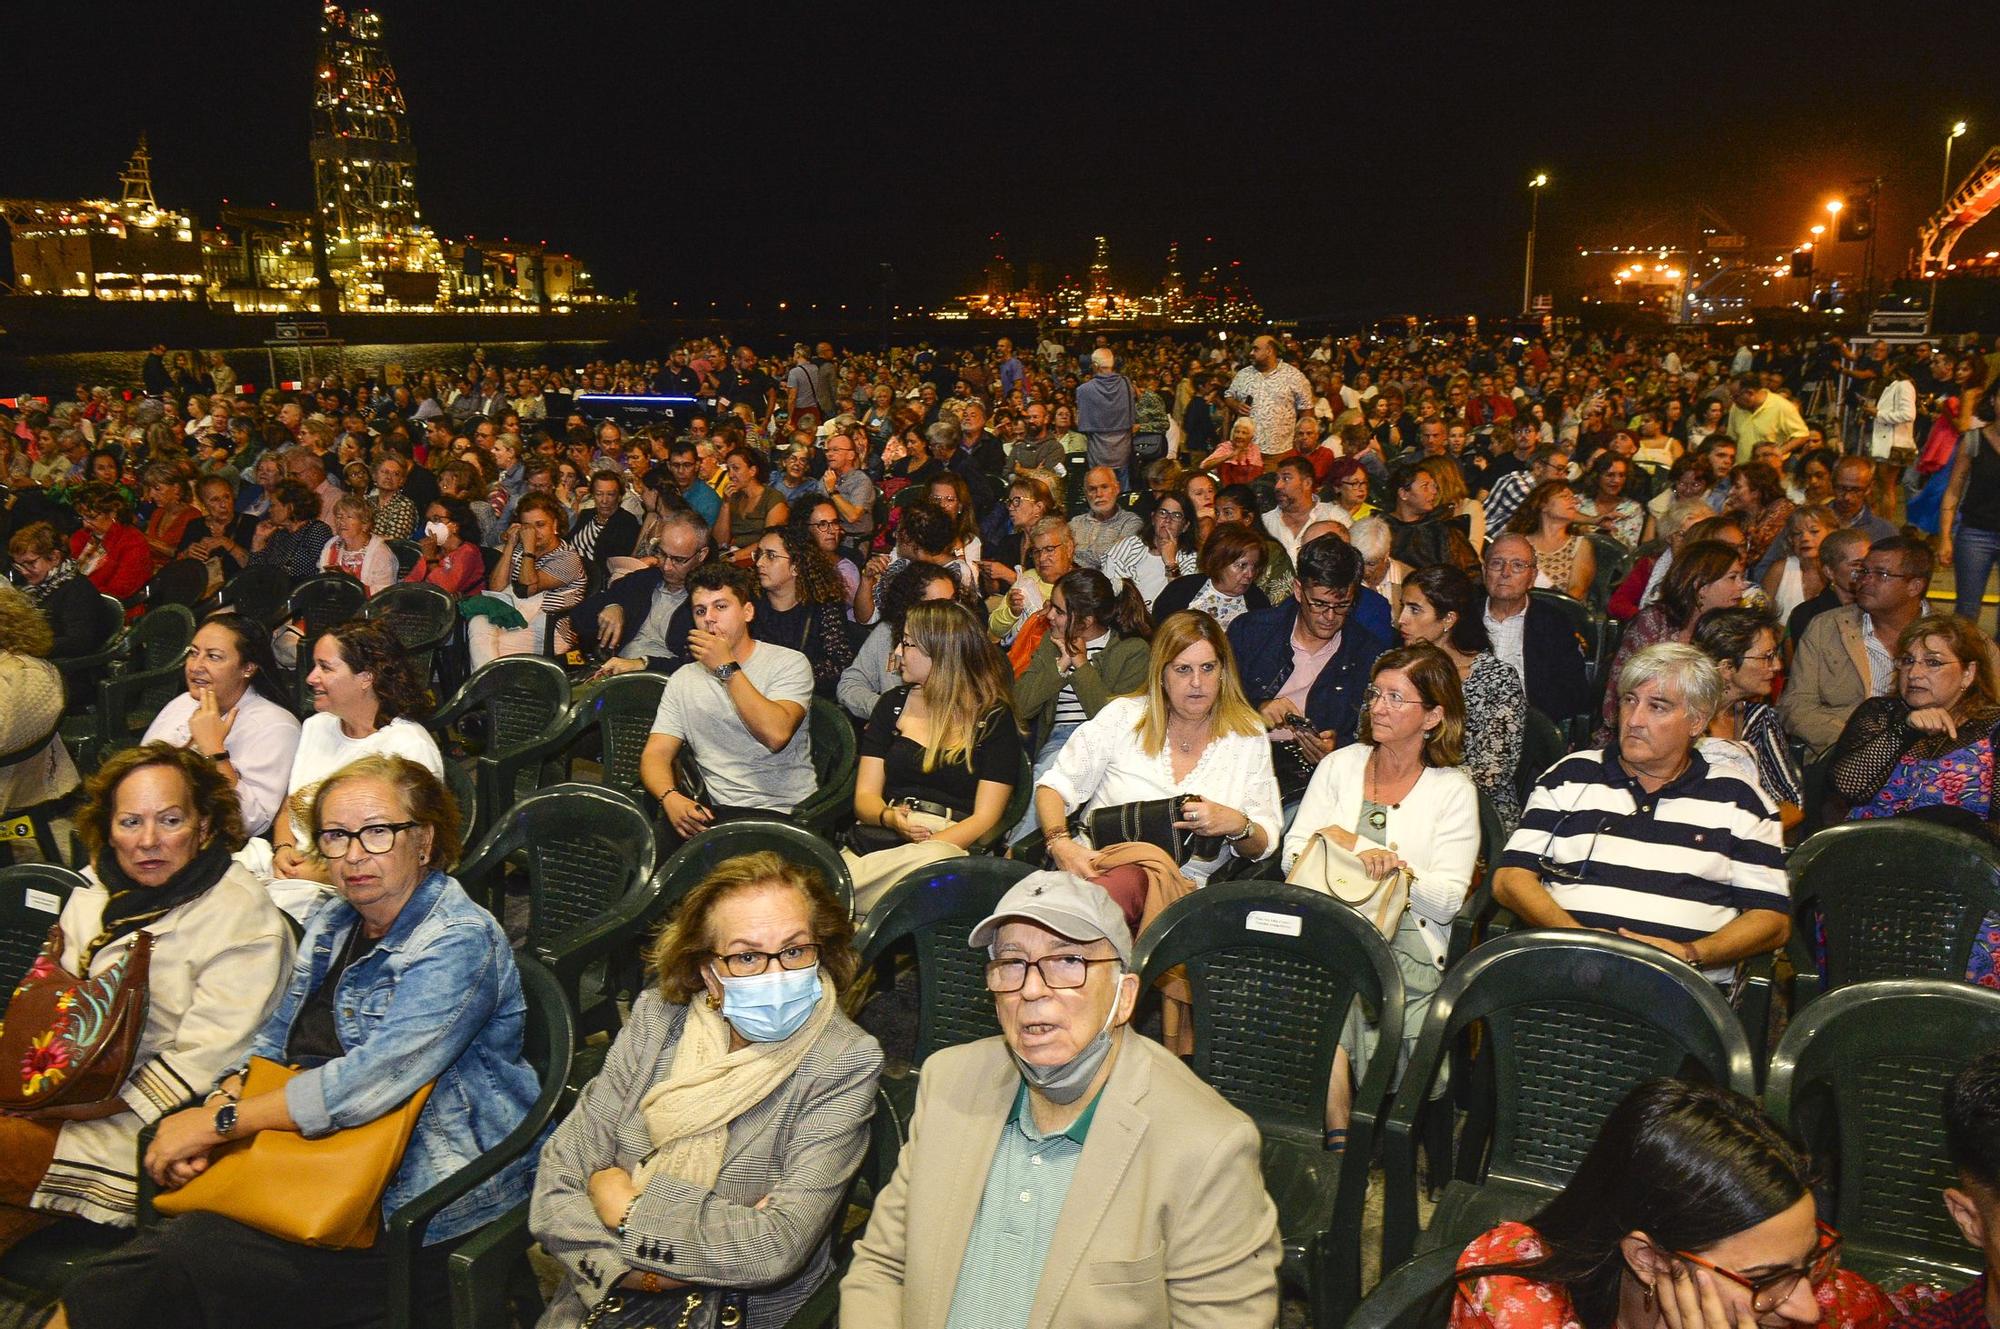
(1678, 863)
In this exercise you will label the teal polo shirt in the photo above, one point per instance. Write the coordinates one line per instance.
(1025, 1189)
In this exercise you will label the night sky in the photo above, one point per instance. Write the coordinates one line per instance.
(1356, 162)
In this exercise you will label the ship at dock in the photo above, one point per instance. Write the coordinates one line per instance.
(361, 266)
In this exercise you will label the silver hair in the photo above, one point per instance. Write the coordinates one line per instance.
(1052, 525)
(1683, 671)
(1370, 537)
(1102, 360)
(946, 433)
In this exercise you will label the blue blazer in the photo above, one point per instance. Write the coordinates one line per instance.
(1262, 640)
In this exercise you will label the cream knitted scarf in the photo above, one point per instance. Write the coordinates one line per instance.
(689, 1112)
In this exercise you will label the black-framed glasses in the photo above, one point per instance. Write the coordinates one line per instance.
(376, 838)
(1329, 606)
(1059, 972)
(1768, 1291)
(1547, 868)
(749, 964)
(825, 525)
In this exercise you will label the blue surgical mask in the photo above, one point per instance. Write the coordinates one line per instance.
(771, 1006)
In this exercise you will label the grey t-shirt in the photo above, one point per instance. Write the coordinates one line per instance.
(695, 708)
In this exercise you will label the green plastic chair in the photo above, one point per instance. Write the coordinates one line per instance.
(1416, 1294)
(611, 723)
(1860, 1075)
(1542, 746)
(421, 616)
(692, 863)
(1573, 1020)
(322, 603)
(1478, 911)
(465, 793)
(260, 591)
(1614, 561)
(32, 896)
(1901, 898)
(589, 857)
(82, 673)
(509, 703)
(1274, 970)
(835, 757)
(153, 675)
(933, 910)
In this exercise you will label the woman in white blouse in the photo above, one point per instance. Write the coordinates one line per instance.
(1190, 731)
(355, 548)
(1397, 798)
(233, 714)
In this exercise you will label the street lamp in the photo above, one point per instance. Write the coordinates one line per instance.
(1944, 190)
(1535, 187)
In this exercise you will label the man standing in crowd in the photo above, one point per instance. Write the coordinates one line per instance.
(745, 381)
(1849, 655)
(1104, 522)
(1646, 839)
(739, 706)
(1758, 415)
(1104, 413)
(1068, 1171)
(1274, 394)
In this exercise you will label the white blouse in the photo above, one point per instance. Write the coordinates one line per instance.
(1435, 829)
(262, 740)
(1102, 765)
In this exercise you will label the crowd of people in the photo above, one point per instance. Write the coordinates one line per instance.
(1151, 614)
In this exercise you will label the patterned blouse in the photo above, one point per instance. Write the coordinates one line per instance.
(1496, 709)
(1554, 570)
(1628, 518)
(1509, 1301)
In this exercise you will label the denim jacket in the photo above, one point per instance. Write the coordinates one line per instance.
(438, 998)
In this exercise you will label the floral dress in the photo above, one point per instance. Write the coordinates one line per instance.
(1496, 710)
(1508, 1301)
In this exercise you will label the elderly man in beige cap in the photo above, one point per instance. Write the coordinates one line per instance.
(1069, 1171)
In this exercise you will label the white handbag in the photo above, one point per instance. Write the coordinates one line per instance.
(1325, 867)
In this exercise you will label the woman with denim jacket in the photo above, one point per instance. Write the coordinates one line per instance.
(400, 982)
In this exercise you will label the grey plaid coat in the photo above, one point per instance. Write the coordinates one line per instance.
(799, 1147)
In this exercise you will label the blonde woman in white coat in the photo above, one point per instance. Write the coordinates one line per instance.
(1397, 798)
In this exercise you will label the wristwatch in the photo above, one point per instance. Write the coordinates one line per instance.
(225, 1120)
(728, 671)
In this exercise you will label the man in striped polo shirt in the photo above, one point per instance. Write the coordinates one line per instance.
(1650, 840)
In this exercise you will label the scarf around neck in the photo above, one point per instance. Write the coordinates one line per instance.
(64, 573)
(132, 906)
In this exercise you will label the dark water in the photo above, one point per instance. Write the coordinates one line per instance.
(56, 376)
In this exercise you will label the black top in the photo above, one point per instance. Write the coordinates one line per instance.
(315, 1038)
(996, 756)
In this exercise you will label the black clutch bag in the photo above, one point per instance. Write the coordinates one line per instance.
(1151, 822)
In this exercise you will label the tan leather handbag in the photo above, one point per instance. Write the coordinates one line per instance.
(1325, 867)
(325, 1192)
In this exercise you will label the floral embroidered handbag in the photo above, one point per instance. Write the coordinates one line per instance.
(68, 1043)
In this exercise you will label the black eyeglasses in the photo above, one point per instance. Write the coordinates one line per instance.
(376, 838)
(1059, 972)
(749, 964)
(1547, 868)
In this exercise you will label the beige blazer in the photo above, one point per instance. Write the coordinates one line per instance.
(1167, 1221)
(1829, 679)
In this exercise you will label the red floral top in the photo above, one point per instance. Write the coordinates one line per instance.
(1502, 1301)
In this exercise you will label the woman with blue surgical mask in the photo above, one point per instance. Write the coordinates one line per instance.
(703, 1167)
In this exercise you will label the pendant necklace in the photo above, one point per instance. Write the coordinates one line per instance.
(1378, 815)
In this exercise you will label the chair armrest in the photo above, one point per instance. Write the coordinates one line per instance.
(1753, 1007)
(478, 1269)
(484, 860)
(403, 1237)
(1478, 905)
(1806, 983)
(1399, 1153)
(496, 773)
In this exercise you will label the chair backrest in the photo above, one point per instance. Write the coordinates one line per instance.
(261, 591)
(182, 581)
(548, 1037)
(585, 848)
(160, 637)
(1614, 560)
(418, 613)
(465, 793)
(690, 864)
(152, 677)
(1586, 620)
(517, 699)
(1573, 1020)
(1273, 970)
(325, 601)
(1416, 1294)
(619, 712)
(407, 553)
(1900, 898)
(936, 908)
(1864, 1069)
(1542, 746)
(835, 757)
(110, 612)
(31, 900)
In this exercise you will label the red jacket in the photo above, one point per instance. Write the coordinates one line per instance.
(127, 563)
